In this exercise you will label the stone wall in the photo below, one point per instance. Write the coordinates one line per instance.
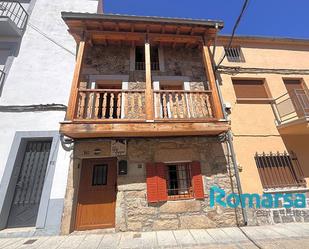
(107, 60)
(112, 59)
(134, 213)
(183, 62)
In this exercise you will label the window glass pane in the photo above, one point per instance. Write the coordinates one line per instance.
(99, 176)
(179, 180)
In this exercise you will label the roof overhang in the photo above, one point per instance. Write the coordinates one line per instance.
(106, 28)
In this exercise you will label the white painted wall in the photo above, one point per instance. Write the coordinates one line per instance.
(42, 74)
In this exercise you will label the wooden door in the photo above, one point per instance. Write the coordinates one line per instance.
(97, 194)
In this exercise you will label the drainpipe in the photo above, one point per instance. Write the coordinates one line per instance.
(229, 136)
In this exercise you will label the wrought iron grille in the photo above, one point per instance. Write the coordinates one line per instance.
(179, 181)
(15, 11)
(234, 54)
(155, 66)
(278, 170)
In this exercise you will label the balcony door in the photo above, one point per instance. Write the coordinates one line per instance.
(97, 194)
(299, 96)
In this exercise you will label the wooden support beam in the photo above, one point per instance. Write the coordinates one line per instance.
(75, 83)
(212, 82)
(148, 92)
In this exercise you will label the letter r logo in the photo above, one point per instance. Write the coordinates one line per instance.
(216, 196)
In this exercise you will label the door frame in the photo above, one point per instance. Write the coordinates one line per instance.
(15, 158)
(106, 159)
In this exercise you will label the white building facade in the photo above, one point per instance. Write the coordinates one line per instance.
(36, 63)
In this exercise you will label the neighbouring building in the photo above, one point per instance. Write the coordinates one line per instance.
(36, 63)
(264, 82)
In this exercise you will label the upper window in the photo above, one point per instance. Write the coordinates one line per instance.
(140, 58)
(251, 90)
(234, 54)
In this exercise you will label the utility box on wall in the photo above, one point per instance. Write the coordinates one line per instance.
(123, 167)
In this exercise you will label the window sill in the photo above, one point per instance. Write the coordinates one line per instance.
(254, 100)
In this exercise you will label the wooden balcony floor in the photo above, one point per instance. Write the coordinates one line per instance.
(141, 128)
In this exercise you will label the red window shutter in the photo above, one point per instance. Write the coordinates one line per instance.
(152, 195)
(197, 180)
(161, 181)
(156, 182)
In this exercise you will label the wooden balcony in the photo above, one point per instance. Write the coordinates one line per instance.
(110, 112)
(142, 113)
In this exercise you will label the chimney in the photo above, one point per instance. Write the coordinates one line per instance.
(100, 7)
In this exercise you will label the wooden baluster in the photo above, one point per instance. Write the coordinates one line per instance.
(111, 110)
(157, 104)
(164, 105)
(198, 105)
(177, 107)
(118, 96)
(191, 105)
(81, 109)
(209, 107)
(202, 104)
(89, 105)
(104, 106)
(184, 106)
(171, 104)
(96, 105)
(132, 104)
(140, 104)
(125, 95)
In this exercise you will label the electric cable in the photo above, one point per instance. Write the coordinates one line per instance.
(243, 9)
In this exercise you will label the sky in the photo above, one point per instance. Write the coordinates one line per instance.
(280, 18)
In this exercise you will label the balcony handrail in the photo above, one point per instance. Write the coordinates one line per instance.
(183, 91)
(111, 90)
(16, 12)
(292, 104)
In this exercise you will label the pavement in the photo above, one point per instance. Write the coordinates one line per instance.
(291, 235)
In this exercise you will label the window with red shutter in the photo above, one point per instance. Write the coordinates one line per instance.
(174, 181)
(151, 181)
(197, 180)
(156, 182)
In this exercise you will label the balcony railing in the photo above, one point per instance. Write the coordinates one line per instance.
(177, 104)
(15, 11)
(292, 105)
(155, 66)
(111, 104)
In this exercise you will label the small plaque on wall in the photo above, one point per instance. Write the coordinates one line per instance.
(119, 147)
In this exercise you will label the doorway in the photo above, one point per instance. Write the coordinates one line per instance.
(29, 185)
(97, 194)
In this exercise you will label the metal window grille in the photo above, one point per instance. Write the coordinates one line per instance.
(278, 170)
(234, 54)
(15, 11)
(179, 181)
